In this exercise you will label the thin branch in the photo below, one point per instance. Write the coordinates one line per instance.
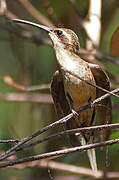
(34, 37)
(37, 133)
(26, 97)
(94, 85)
(76, 10)
(99, 55)
(105, 96)
(49, 10)
(71, 169)
(58, 153)
(8, 14)
(9, 141)
(35, 13)
(112, 175)
(40, 40)
(65, 167)
(71, 131)
(60, 167)
(9, 80)
(59, 122)
(102, 56)
(95, 52)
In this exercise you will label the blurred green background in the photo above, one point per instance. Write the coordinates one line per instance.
(29, 63)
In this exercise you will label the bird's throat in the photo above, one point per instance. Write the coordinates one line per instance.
(67, 60)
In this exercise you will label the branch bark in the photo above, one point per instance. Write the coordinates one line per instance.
(36, 14)
(59, 122)
(58, 153)
(26, 97)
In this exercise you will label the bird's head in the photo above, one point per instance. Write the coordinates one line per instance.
(61, 37)
(65, 38)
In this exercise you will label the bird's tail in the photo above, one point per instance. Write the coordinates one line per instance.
(92, 155)
(92, 159)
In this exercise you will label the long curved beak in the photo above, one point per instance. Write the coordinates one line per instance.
(47, 29)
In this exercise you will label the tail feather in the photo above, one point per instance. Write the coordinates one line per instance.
(91, 154)
(92, 159)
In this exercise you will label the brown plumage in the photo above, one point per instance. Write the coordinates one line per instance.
(70, 93)
(73, 93)
(74, 45)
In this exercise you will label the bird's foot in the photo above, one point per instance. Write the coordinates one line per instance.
(75, 114)
(90, 101)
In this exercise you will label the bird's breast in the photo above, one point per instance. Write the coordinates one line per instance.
(79, 90)
(81, 93)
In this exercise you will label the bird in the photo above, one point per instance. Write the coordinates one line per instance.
(71, 93)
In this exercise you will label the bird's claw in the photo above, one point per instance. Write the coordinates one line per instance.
(75, 114)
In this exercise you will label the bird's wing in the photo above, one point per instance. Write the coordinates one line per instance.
(57, 90)
(62, 107)
(104, 108)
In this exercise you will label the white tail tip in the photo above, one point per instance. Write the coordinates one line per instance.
(92, 159)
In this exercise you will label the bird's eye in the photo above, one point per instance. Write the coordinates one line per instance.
(77, 47)
(59, 32)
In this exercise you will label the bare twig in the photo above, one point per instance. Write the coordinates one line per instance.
(9, 15)
(105, 96)
(49, 10)
(44, 163)
(94, 85)
(99, 55)
(77, 12)
(36, 38)
(5, 12)
(40, 40)
(72, 169)
(25, 34)
(37, 133)
(71, 131)
(35, 13)
(9, 141)
(8, 80)
(58, 153)
(26, 97)
(102, 56)
(59, 122)
(59, 166)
